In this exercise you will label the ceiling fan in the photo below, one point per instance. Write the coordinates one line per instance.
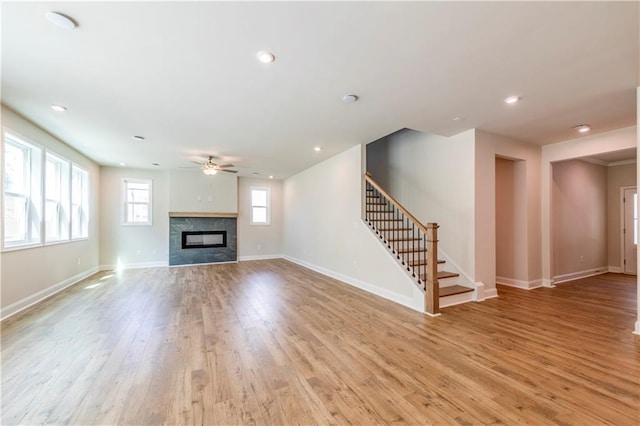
(210, 168)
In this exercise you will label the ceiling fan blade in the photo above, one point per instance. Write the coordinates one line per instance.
(225, 165)
(228, 171)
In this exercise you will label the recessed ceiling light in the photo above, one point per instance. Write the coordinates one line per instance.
(583, 128)
(270, 176)
(349, 98)
(265, 57)
(317, 149)
(155, 164)
(138, 138)
(59, 108)
(255, 173)
(458, 118)
(123, 164)
(512, 99)
(61, 20)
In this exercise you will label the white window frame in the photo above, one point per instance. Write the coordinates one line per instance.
(82, 204)
(33, 194)
(126, 220)
(253, 206)
(63, 200)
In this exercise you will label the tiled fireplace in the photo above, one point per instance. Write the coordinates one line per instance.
(196, 238)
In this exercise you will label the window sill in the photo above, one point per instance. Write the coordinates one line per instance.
(21, 247)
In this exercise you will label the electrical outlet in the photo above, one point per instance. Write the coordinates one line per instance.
(78, 261)
(581, 259)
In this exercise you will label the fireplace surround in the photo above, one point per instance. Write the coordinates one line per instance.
(197, 238)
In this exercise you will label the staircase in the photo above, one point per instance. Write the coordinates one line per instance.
(412, 244)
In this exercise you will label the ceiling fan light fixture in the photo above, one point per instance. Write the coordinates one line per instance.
(61, 20)
(582, 128)
(209, 171)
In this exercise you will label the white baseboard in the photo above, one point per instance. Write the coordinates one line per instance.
(478, 294)
(490, 293)
(140, 265)
(409, 302)
(547, 283)
(580, 274)
(526, 285)
(29, 301)
(615, 269)
(186, 265)
(261, 257)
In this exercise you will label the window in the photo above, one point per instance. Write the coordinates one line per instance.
(137, 196)
(260, 207)
(79, 203)
(22, 192)
(46, 198)
(56, 208)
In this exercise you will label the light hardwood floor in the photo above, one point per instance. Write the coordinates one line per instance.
(269, 342)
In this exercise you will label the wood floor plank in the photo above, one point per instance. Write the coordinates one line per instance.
(270, 342)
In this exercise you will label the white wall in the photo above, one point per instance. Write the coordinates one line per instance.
(193, 191)
(323, 230)
(27, 275)
(616, 140)
(488, 147)
(133, 246)
(259, 241)
(377, 160)
(617, 177)
(432, 176)
(579, 219)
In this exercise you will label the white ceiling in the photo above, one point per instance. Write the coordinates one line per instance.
(185, 75)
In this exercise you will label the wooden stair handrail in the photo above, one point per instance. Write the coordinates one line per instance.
(395, 202)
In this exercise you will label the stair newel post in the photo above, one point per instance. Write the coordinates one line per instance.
(432, 293)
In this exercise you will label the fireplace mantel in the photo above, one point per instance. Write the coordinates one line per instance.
(202, 214)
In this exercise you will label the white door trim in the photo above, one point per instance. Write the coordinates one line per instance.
(621, 231)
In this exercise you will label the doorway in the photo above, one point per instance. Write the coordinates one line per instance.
(511, 222)
(629, 209)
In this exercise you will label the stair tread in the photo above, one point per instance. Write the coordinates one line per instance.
(447, 274)
(454, 289)
(419, 262)
(442, 275)
(410, 250)
(403, 239)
